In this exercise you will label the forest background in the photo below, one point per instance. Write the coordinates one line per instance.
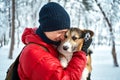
(101, 16)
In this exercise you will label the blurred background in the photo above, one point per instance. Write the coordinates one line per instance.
(101, 16)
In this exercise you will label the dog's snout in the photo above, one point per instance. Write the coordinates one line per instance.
(65, 47)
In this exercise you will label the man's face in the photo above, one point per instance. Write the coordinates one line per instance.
(56, 35)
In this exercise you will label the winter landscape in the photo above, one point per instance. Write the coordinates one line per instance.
(102, 62)
(101, 16)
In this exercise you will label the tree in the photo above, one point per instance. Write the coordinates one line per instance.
(112, 36)
(13, 31)
(89, 7)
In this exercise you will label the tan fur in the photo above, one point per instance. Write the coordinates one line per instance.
(89, 62)
(88, 68)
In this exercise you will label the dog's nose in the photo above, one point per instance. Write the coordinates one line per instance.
(65, 47)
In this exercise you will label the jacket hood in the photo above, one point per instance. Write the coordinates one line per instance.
(29, 35)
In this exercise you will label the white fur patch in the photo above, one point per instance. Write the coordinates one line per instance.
(85, 74)
(63, 62)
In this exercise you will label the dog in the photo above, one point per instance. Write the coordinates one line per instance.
(86, 75)
(74, 39)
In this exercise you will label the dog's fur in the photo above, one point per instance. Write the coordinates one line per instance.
(74, 39)
(86, 75)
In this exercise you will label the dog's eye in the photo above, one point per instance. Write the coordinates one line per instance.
(65, 36)
(74, 38)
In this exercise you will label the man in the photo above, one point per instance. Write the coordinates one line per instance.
(39, 59)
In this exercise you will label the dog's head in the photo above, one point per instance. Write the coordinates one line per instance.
(74, 39)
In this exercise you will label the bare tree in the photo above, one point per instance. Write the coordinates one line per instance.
(111, 34)
(49, 0)
(88, 6)
(9, 17)
(18, 26)
(13, 31)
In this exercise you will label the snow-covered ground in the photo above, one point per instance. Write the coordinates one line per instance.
(102, 63)
(5, 62)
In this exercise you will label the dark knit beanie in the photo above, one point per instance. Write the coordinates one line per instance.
(53, 16)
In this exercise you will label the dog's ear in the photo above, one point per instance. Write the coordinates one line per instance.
(88, 34)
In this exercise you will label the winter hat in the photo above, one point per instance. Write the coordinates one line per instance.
(53, 16)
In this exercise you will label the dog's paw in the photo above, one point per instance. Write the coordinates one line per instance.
(64, 65)
(63, 62)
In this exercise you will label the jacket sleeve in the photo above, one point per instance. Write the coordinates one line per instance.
(49, 67)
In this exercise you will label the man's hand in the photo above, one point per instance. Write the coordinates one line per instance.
(86, 45)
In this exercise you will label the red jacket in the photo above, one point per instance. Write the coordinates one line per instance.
(37, 64)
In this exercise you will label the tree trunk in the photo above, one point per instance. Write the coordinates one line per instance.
(13, 31)
(9, 20)
(49, 0)
(17, 29)
(114, 55)
(112, 37)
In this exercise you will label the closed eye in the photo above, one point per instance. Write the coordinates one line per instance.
(65, 36)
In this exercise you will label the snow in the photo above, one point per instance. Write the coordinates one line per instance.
(5, 62)
(102, 62)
